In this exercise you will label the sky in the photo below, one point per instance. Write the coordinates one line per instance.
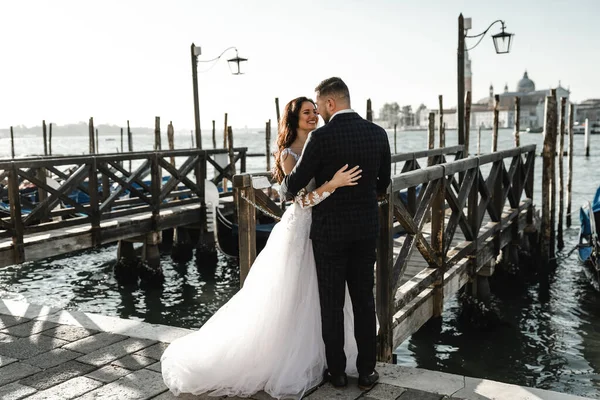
(118, 60)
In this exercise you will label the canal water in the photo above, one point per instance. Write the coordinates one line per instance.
(549, 336)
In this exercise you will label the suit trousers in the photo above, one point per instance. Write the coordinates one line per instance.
(352, 262)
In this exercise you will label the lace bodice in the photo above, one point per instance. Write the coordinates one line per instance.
(309, 196)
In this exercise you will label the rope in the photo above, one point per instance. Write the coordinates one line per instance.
(260, 208)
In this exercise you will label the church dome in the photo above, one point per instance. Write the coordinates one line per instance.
(525, 84)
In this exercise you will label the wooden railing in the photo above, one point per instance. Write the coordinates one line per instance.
(487, 199)
(104, 180)
(457, 198)
(246, 195)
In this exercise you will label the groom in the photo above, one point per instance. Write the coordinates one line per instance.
(344, 228)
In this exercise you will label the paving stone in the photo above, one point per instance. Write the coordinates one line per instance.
(133, 362)
(4, 338)
(31, 346)
(56, 375)
(142, 384)
(67, 390)
(154, 351)
(413, 394)
(69, 333)
(9, 320)
(92, 343)
(157, 367)
(381, 391)
(327, 392)
(186, 396)
(115, 351)
(52, 358)
(15, 371)
(15, 391)
(29, 328)
(108, 374)
(6, 360)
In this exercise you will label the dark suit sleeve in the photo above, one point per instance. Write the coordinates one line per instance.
(306, 168)
(385, 168)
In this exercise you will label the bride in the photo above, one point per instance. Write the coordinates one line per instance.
(268, 336)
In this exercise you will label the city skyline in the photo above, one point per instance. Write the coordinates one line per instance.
(69, 60)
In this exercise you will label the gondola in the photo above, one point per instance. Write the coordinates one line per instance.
(227, 233)
(588, 248)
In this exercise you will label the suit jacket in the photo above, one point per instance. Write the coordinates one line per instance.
(351, 212)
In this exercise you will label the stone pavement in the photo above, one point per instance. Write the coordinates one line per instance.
(48, 353)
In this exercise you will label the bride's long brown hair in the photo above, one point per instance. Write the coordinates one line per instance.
(288, 126)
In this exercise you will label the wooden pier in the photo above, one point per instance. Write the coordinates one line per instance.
(459, 215)
(160, 196)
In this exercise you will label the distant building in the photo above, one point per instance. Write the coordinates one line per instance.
(587, 109)
(532, 106)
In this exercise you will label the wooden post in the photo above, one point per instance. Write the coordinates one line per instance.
(548, 157)
(50, 138)
(517, 121)
(105, 184)
(91, 136)
(45, 137)
(369, 111)
(553, 179)
(268, 144)
(441, 127)
(15, 216)
(192, 139)
(587, 137)
(384, 298)
(231, 153)
(246, 216)
(467, 124)
(570, 178)
(431, 136)
(121, 140)
(157, 142)
(479, 140)
(94, 205)
(171, 140)
(97, 148)
(561, 150)
(437, 243)
(395, 145)
(443, 136)
(225, 133)
(12, 143)
(277, 109)
(129, 142)
(473, 220)
(495, 130)
(214, 135)
(224, 181)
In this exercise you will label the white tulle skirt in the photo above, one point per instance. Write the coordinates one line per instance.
(268, 336)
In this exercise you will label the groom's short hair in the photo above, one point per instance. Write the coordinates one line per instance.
(333, 87)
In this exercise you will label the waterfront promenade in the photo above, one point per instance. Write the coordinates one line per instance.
(49, 353)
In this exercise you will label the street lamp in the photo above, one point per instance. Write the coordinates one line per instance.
(502, 44)
(235, 68)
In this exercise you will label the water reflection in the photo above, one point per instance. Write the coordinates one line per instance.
(549, 337)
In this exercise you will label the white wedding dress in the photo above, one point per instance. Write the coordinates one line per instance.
(268, 336)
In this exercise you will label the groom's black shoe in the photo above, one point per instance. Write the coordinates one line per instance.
(338, 380)
(366, 382)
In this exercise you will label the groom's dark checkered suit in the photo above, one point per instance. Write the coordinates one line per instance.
(344, 228)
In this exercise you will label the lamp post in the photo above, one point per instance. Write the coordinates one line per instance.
(502, 44)
(236, 70)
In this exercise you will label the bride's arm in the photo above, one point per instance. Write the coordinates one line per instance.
(343, 177)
